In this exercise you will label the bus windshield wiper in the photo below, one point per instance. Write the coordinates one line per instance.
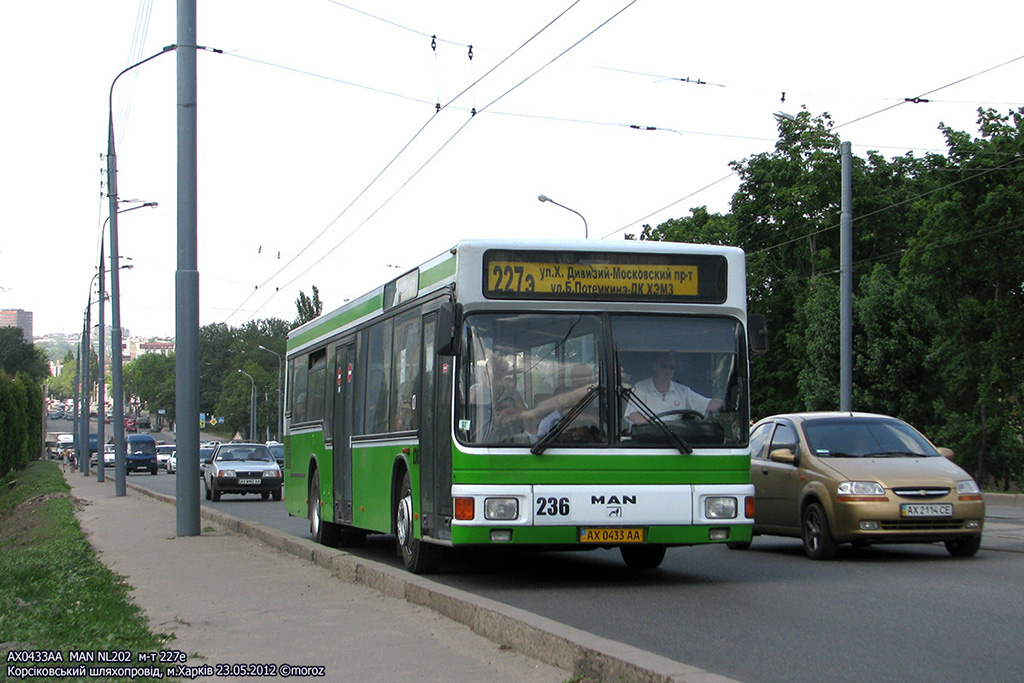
(570, 415)
(653, 418)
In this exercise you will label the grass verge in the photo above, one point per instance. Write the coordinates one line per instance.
(55, 595)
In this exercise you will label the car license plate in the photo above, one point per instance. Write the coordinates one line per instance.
(249, 482)
(613, 535)
(926, 510)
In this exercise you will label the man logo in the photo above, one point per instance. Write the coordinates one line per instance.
(613, 500)
(615, 511)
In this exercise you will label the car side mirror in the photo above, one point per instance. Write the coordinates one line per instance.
(785, 454)
(946, 453)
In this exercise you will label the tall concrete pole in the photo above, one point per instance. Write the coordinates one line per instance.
(846, 283)
(83, 461)
(186, 281)
(101, 410)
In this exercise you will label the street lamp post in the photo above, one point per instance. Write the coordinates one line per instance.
(586, 230)
(116, 363)
(252, 406)
(280, 407)
(102, 410)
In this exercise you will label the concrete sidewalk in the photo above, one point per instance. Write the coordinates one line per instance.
(231, 599)
(243, 593)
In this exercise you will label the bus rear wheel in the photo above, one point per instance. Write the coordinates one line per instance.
(419, 557)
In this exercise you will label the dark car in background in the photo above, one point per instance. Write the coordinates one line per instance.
(277, 450)
(832, 478)
(141, 453)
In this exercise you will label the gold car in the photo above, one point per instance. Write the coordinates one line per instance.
(831, 478)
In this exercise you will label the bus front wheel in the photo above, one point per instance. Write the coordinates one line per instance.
(419, 557)
(324, 533)
(642, 556)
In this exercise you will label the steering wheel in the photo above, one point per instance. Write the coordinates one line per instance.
(683, 414)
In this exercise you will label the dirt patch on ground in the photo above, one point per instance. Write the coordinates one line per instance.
(24, 526)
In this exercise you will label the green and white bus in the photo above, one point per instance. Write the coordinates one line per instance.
(543, 394)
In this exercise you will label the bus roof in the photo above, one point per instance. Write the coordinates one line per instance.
(444, 271)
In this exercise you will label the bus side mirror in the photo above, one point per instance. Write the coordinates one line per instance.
(757, 329)
(446, 334)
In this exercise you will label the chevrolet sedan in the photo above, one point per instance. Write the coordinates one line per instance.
(242, 468)
(833, 478)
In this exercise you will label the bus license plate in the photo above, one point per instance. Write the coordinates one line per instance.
(926, 510)
(617, 535)
(249, 482)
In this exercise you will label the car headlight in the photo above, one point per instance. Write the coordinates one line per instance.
(720, 507)
(861, 488)
(226, 473)
(968, 486)
(501, 508)
(271, 473)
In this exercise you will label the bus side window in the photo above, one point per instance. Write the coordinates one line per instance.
(377, 360)
(315, 385)
(405, 382)
(299, 372)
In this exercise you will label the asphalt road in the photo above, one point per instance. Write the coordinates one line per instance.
(907, 612)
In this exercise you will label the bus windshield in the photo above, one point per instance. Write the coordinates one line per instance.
(602, 381)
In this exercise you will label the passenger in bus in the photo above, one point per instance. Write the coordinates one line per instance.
(667, 397)
(299, 413)
(497, 388)
(547, 412)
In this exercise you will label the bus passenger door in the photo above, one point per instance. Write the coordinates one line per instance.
(435, 437)
(342, 431)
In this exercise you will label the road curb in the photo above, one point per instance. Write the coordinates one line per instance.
(585, 655)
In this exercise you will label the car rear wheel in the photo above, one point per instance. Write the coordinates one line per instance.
(818, 541)
(964, 547)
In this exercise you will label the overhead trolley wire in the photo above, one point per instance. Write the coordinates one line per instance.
(861, 118)
(387, 166)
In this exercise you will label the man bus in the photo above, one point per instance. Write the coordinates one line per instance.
(415, 409)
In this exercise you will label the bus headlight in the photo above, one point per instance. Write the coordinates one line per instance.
(720, 507)
(504, 509)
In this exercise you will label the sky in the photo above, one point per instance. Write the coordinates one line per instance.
(323, 159)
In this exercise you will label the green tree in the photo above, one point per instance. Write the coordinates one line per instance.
(964, 263)
(307, 307)
(18, 355)
(151, 377)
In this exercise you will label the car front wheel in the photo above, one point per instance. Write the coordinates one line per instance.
(818, 541)
(964, 547)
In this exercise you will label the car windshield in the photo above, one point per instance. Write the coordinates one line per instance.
(245, 453)
(144, 447)
(865, 438)
(620, 380)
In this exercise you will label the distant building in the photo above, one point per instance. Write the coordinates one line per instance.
(18, 318)
(141, 348)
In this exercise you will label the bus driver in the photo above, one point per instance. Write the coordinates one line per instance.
(662, 394)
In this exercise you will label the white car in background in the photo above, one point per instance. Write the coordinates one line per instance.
(172, 463)
(163, 453)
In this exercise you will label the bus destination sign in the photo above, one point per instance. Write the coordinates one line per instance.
(606, 276)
